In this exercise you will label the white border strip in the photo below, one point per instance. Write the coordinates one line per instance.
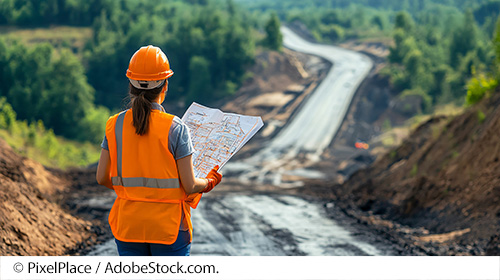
(388, 268)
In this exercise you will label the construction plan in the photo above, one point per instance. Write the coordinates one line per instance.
(217, 136)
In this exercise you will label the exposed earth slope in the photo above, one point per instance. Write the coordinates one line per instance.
(444, 179)
(31, 220)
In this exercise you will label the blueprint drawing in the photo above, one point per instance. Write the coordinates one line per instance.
(217, 136)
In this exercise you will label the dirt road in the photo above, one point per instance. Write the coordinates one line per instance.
(272, 225)
(316, 123)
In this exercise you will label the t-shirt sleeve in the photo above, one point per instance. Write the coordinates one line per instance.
(104, 143)
(180, 144)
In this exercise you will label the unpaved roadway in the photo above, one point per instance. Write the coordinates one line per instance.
(273, 225)
(280, 224)
(313, 127)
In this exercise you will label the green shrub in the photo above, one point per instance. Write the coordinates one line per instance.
(386, 125)
(480, 116)
(414, 170)
(478, 87)
(393, 154)
(7, 115)
(426, 104)
(34, 141)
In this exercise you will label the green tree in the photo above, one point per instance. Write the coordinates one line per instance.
(378, 21)
(274, 38)
(487, 10)
(464, 39)
(404, 21)
(94, 124)
(496, 43)
(6, 8)
(223, 40)
(231, 8)
(238, 53)
(69, 96)
(396, 55)
(333, 32)
(200, 87)
(331, 17)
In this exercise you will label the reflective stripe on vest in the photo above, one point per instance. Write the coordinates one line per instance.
(135, 181)
(146, 182)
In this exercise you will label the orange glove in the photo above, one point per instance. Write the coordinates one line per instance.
(213, 178)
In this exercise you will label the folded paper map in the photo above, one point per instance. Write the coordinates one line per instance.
(217, 136)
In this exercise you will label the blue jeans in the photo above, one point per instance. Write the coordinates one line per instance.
(181, 247)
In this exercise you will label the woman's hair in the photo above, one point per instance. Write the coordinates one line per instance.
(141, 102)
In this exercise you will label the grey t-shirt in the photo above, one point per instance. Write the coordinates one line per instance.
(179, 140)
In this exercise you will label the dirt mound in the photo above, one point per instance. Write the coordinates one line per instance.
(280, 82)
(273, 73)
(445, 178)
(32, 222)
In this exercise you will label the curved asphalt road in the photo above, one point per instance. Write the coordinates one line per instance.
(312, 129)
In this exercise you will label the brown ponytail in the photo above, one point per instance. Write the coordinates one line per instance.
(142, 103)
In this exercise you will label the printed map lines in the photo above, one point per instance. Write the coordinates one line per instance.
(217, 136)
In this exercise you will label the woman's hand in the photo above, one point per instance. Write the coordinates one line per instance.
(186, 175)
(213, 178)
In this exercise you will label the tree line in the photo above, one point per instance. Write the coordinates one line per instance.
(210, 44)
(42, 85)
(36, 13)
(438, 45)
(435, 60)
(209, 48)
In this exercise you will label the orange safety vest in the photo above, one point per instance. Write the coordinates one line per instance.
(150, 199)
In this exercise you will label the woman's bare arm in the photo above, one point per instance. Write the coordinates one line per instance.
(186, 175)
(103, 175)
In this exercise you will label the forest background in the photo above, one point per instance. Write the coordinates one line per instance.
(63, 62)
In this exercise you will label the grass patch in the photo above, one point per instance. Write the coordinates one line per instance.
(58, 36)
(53, 151)
(436, 131)
(393, 154)
(38, 143)
(388, 141)
(480, 116)
(449, 110)
(414, 170)
(386, 125)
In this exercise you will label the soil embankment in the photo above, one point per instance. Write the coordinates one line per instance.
(32, 221)
(439, 191)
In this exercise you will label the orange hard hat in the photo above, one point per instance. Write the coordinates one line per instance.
(148, 68)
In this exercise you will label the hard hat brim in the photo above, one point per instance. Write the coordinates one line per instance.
(147, 85)
(150, 77)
